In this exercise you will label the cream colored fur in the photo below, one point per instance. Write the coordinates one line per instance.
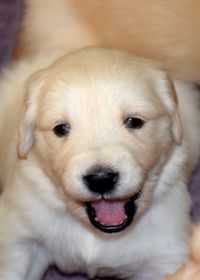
(191, 270)
(167, 31)
(42, 214)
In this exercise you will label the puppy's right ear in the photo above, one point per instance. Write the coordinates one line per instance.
(28, 118)
(172, 104)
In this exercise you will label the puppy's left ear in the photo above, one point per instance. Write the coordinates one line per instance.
(177, 131)
(28, 118)
(171, 103)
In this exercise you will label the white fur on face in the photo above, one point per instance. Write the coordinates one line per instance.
(95, 103)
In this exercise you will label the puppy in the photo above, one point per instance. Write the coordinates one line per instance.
(94, 163)
(167, 31)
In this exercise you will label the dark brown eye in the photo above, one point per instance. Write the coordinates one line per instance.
(134, 123)
(61, 130)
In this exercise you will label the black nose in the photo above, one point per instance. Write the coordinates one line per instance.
(101, 181)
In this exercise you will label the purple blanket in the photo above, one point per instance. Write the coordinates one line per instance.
(10, 15)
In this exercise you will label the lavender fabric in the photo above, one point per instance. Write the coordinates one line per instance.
(10, 16)
(195, 194)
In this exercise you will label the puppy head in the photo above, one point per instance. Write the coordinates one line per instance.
(102, 124)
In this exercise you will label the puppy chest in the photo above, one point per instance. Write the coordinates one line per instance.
(79, 253)
(83, 253)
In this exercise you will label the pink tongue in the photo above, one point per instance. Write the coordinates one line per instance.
(110, 213)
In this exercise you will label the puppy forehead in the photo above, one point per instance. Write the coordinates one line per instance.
(99, 83)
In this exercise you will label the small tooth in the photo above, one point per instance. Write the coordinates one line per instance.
(96, 219)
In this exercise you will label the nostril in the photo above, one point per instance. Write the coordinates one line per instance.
(101, 181)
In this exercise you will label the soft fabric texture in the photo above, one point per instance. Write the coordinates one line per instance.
(10, 16)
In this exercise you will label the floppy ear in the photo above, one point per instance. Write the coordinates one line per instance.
(28, 118)
(177, 128)
(171, 103)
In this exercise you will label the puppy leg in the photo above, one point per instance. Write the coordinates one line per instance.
(17, 262)
(20, 257)
(14, 261)
(38, 264)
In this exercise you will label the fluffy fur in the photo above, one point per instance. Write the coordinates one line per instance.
(167, 31)
(42, 210)
(191, 270)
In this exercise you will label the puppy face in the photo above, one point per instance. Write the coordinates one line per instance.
(101, 124)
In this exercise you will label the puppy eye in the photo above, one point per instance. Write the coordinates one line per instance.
(134, 123)
(61, 129)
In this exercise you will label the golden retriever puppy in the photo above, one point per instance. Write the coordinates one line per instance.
(95, 154)
(167, 31)
(191, 270)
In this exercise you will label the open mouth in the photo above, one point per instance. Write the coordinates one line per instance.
(112, 216)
